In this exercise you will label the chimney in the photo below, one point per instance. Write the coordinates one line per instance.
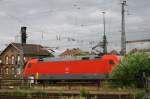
(23, 35)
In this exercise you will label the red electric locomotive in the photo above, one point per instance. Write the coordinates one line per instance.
(77, 68)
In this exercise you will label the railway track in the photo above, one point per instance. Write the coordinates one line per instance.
(68, 95)
(63, 85)
(60, 90)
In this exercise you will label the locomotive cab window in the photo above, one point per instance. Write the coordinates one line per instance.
(85, 58)
(29, 65)
(98, 57)
(111, 62)
(41, 59)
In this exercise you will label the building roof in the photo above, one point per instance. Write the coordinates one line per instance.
(114, 52)
(30, 49)
(136, 50)
(71, 52)
(147, 50)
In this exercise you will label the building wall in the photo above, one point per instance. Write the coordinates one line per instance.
(10, 60)
(148, 54)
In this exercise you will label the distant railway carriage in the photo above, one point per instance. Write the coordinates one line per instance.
(83, 68)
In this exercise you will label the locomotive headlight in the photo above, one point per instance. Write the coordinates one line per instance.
(67, 70)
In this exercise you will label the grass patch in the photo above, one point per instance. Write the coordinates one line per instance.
(139, 94)
(84, 93)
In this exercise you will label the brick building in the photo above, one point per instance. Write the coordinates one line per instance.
(74, 52)
(10, 57)
(114, 52)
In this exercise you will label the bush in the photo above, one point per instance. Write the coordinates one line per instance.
(130, 71)
(139, 94)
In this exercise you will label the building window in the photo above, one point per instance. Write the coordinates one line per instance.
(0, 61)
(7, 59)
(7, 71)
(1, 71)
(18, 59)
(12, 59)
(13, 70)
(24, 59)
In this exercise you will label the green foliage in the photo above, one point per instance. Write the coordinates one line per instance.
(40, 93)
(84, 93)
(18, 93)
(139, 94)
(14, 93)
(130, 71)
(95, 97)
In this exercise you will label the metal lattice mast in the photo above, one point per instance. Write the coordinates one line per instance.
(104, 36)
(123, 34)
(23, 42)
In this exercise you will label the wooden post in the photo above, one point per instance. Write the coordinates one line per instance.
(0, 83)
(98, 84)
(119, 96)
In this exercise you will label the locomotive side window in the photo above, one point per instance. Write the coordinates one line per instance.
(40, 59)
(85, 58)
(111, 62)
(98, 57)
(29, 65)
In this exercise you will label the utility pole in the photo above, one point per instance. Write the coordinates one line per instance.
(23, 42)
(103, 44)
(123, 35)
(17, 38)
(104, 36)
(21, 61)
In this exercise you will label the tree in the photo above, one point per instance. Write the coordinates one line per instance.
(132, 68)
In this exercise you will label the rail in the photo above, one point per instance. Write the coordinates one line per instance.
(29, 83)
(101, 89)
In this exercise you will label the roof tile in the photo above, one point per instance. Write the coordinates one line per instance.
(33, 49)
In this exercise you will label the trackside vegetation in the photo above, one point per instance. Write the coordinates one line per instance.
(133, 69)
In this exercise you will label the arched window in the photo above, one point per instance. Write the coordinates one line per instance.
(24, 59)
(1, 71)
(12, 70)
(0, 61)
(12, 59)
(18, 59)
(7, 60)
(7, 71)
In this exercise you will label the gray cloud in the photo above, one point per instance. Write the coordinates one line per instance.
(79, 19)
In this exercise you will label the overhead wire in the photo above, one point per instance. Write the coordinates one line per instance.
(20, 21)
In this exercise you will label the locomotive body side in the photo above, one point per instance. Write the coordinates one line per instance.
(72, 69)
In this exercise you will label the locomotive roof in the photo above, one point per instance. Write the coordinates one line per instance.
(68, 58)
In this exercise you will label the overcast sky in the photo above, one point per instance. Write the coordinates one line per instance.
(73, 23)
